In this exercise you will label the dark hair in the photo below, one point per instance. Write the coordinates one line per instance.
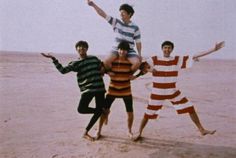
(169, 43)
(123, 45)
(128, 8)
(83, 44)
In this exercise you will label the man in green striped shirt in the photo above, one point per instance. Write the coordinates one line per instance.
(90, 82)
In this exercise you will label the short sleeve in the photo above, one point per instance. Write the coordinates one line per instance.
(185, 62)
(150, 62)
(137, 36)
(111, 20)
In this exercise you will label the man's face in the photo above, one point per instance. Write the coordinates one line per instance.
(124, 15)
(167, 49)
(82, 51)
(122, 53)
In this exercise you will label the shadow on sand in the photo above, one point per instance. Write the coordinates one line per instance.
(175, 149)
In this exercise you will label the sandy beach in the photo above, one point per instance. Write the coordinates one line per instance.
(39, 118)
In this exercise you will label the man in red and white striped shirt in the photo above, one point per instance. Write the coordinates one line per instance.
(164, 73)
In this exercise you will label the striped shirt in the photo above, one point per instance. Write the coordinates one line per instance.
(120, 82)
(89, 76)
(167, 69)
(124, 32)
(164, 85)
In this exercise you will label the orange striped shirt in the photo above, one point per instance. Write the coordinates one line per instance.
(120, 83)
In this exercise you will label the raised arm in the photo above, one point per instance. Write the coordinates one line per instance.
(204, 53)
(97, 9)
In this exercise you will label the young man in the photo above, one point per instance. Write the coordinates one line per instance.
(90, 82)
(164, 73)
(125, 30)
(119, 86)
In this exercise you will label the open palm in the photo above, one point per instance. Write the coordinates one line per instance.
(48, 55)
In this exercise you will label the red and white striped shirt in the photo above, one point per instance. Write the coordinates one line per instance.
(164, 84)
(166, 70)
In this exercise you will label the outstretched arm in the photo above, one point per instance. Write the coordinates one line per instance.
(97, 9)
(48, 55)
(204, 53)
(59, 67)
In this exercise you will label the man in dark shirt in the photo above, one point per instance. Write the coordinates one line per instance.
(90, 82)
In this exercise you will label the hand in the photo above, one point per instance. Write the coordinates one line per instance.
(153, 71)
(219, 45)
(48, 55)
(132, 77)
(90, 3)
(102, 70)
(111, 73)
(140, 58)
(196, 59)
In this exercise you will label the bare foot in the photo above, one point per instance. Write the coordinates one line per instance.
(88, 137)
(137, 138)
(205, 132)
(130, 135)
(98, 136)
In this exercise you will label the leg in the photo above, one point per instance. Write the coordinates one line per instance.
(83, 107)
(135, 61)
(101, 121)
(109, 100)
(104, 117)
(87, 136)
(100, 103)
(142, 126)
(129, 109)
(183, 105)
(108, 61)
(152, 112)
(130, 123)
(196, 121)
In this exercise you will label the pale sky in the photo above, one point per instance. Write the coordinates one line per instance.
(56, 25)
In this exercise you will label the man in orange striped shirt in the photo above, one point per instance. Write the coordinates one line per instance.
(119, 86)
(165, 72)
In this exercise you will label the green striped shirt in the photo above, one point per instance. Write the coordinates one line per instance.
(89, 76)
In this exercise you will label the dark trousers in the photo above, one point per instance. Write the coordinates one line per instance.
(84, 108)
(128, 100)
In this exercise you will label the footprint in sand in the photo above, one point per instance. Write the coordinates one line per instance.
(54, 156)
(123, 148)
